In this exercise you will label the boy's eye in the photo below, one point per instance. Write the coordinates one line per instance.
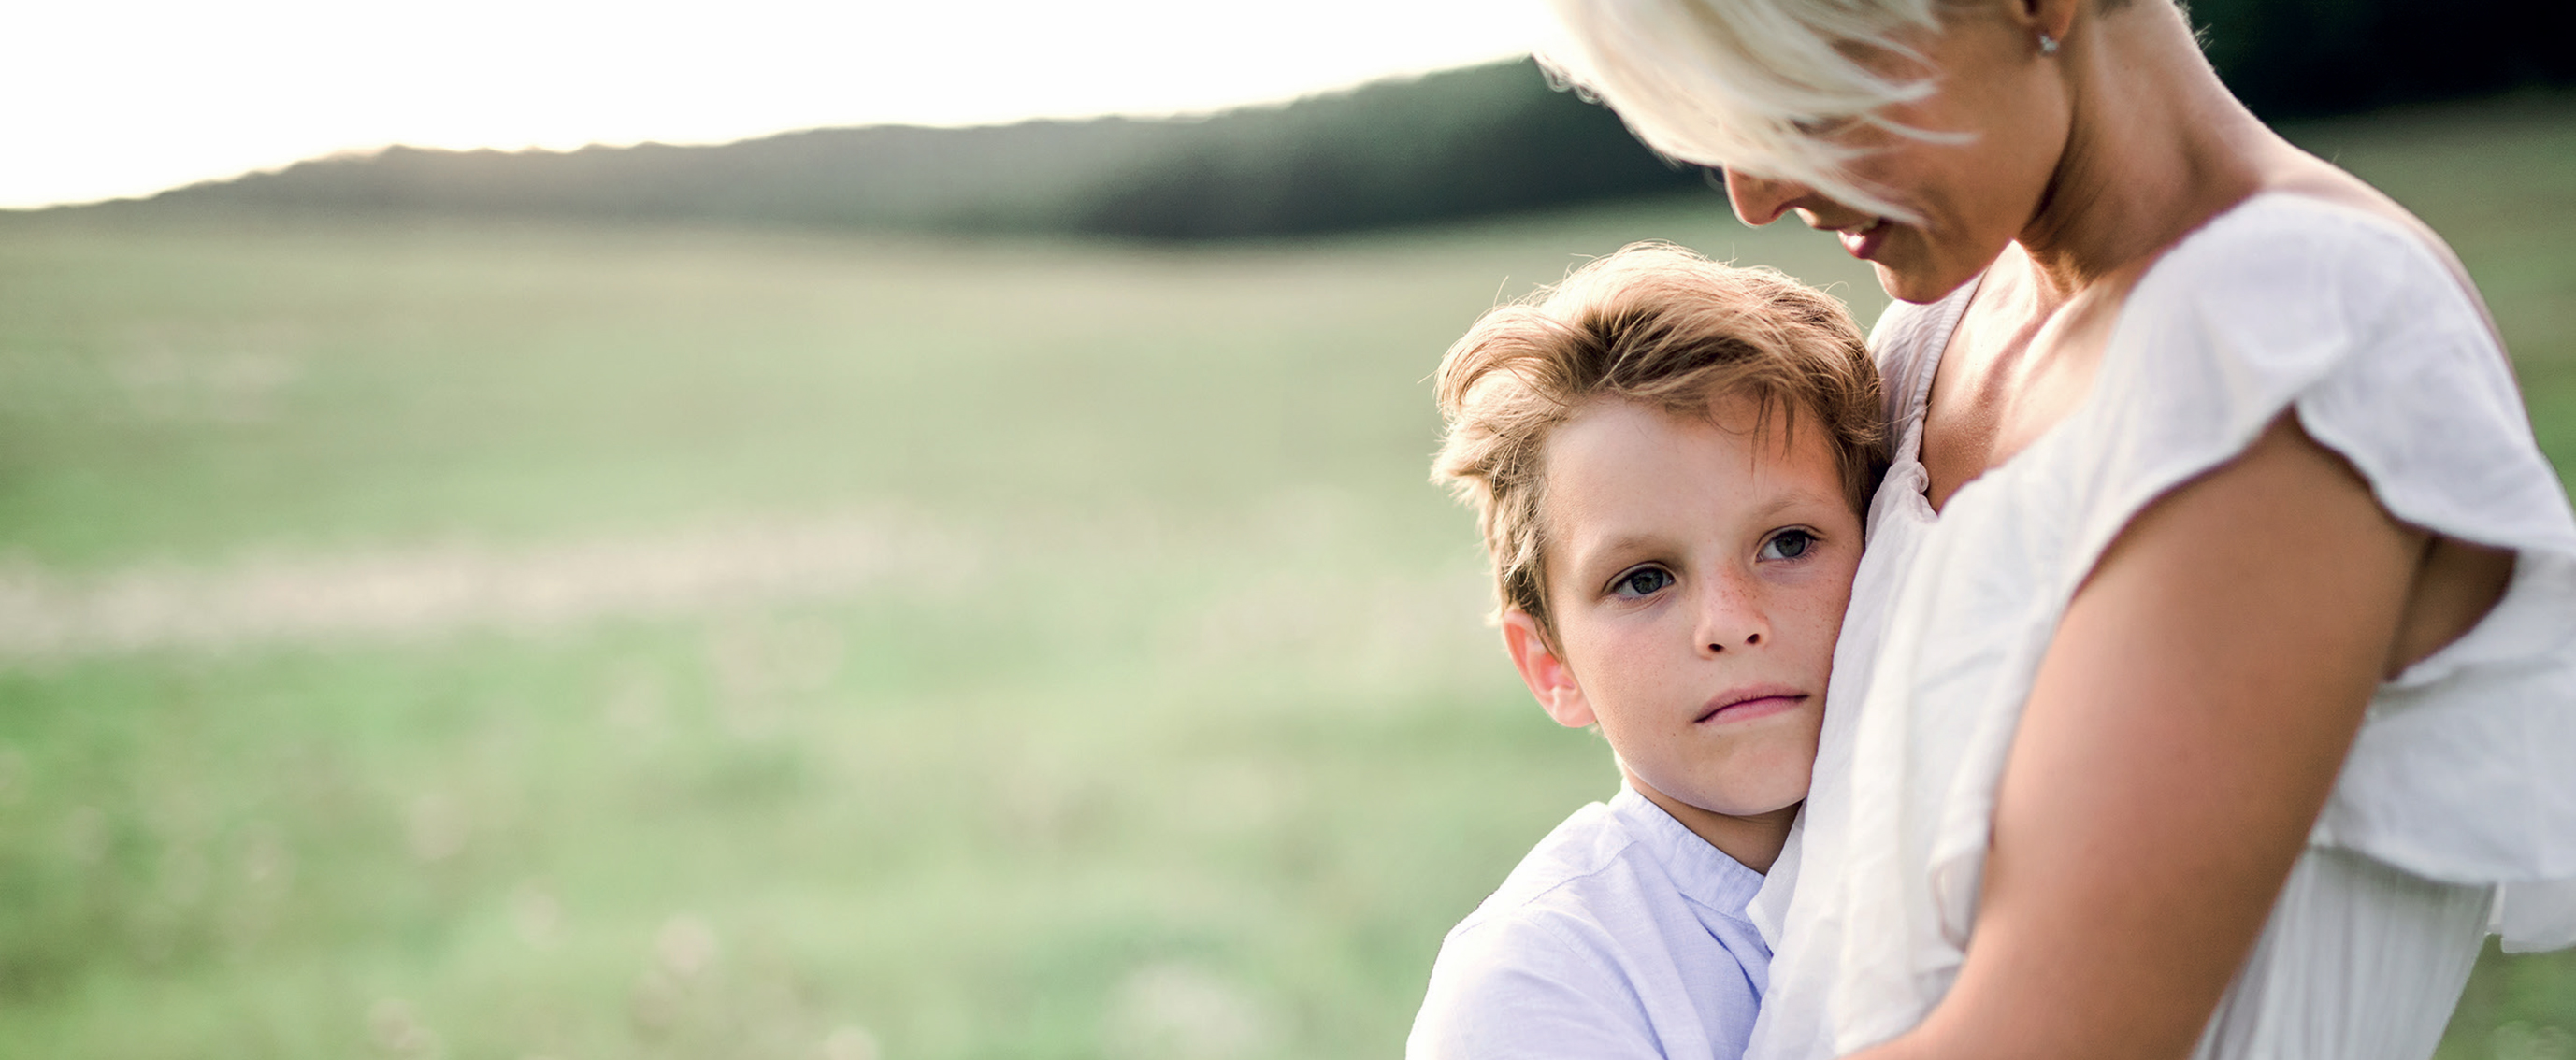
(1643, 581)
(1788, 544)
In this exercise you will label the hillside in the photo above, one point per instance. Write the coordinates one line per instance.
(1479, 141)
(1482, 140)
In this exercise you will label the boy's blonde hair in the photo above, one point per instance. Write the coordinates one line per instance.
(1653, 323)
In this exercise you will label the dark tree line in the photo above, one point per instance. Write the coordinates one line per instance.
(1486, 140)
(2309, 58)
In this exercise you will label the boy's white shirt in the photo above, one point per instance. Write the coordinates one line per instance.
(1622, 934)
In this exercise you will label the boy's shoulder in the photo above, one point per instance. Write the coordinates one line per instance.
(1562, 874)
(1620, 934)
(1607, 859)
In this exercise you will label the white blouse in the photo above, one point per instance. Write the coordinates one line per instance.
(2455, 813)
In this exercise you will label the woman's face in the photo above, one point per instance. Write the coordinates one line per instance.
(1972, 194)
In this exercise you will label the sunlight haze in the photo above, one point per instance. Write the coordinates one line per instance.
(106, 99)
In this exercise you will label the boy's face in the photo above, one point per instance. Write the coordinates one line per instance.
(1697, 573)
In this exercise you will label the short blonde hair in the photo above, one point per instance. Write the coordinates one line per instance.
(1743, 83)
(1653, 323)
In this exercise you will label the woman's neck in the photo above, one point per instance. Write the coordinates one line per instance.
(2157, 147)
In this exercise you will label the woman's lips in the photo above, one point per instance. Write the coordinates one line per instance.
(1746, 704)
(1864, 241)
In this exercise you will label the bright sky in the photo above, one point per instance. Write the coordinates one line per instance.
(110, 98)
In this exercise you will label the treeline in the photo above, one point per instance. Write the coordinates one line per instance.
(1485, 140)
(1482, 140)
(2312, 58)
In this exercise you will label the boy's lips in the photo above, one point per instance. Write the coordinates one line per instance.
(1752, 701)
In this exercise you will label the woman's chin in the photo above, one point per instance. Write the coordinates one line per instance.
(1910, 282)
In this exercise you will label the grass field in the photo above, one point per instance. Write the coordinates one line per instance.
(473, 640)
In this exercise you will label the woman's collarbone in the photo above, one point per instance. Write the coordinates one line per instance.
(2011, 374)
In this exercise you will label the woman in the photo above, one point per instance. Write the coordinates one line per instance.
(2211, 677)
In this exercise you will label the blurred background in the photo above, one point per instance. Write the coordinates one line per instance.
(844, 571)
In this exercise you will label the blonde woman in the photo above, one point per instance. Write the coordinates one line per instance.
(2209, 686)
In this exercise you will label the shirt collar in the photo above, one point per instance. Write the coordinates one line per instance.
(1703, 873)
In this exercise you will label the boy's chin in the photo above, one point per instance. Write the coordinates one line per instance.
(1731, 800)
(1758, 800)
(1782, 788)
(1752, 807)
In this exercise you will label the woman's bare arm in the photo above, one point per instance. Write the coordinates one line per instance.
(2183, 733)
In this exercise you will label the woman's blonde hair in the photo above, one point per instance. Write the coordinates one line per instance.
(1745, 84)
(1653, 323)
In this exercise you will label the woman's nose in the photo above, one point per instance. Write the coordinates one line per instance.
(1759, 200)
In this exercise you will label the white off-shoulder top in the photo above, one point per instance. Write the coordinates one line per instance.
(2455, 813)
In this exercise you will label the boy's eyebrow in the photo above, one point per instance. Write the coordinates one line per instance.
(1794, 496)
(1583, 557)
(1781, 502)
(1625, 543)
(1649, 541)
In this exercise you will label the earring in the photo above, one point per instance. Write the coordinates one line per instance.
(2047, 45)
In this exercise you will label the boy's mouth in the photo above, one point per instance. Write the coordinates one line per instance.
(1748, 703)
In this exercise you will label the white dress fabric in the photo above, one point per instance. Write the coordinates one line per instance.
(2455, 813)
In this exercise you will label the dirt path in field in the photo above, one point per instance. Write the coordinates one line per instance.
(412, 592)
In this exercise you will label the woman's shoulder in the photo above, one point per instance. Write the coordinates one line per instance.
(2284, 291)
(2292, 257)
(2349, 318)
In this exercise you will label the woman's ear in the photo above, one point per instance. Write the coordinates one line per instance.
(1545, 673)
(2053, 19)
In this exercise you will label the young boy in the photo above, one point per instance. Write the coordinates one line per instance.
(1669, 459)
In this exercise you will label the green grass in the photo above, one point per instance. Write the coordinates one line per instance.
(1171, 729)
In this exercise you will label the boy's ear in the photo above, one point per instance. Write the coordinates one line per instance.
(1544, 673)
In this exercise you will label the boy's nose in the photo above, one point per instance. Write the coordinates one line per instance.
(1731, 619)
(1747, 639)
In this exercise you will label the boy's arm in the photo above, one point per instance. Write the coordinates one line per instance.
(1513, 989)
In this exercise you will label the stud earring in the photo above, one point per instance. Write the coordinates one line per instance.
(2047, 44)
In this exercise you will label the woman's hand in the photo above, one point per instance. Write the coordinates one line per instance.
(2181, 737)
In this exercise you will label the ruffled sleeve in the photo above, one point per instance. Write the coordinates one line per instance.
(2465, 770)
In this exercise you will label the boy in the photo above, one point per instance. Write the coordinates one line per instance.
(1669, 459)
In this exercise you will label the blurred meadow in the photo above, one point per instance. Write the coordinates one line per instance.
(480, 639)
